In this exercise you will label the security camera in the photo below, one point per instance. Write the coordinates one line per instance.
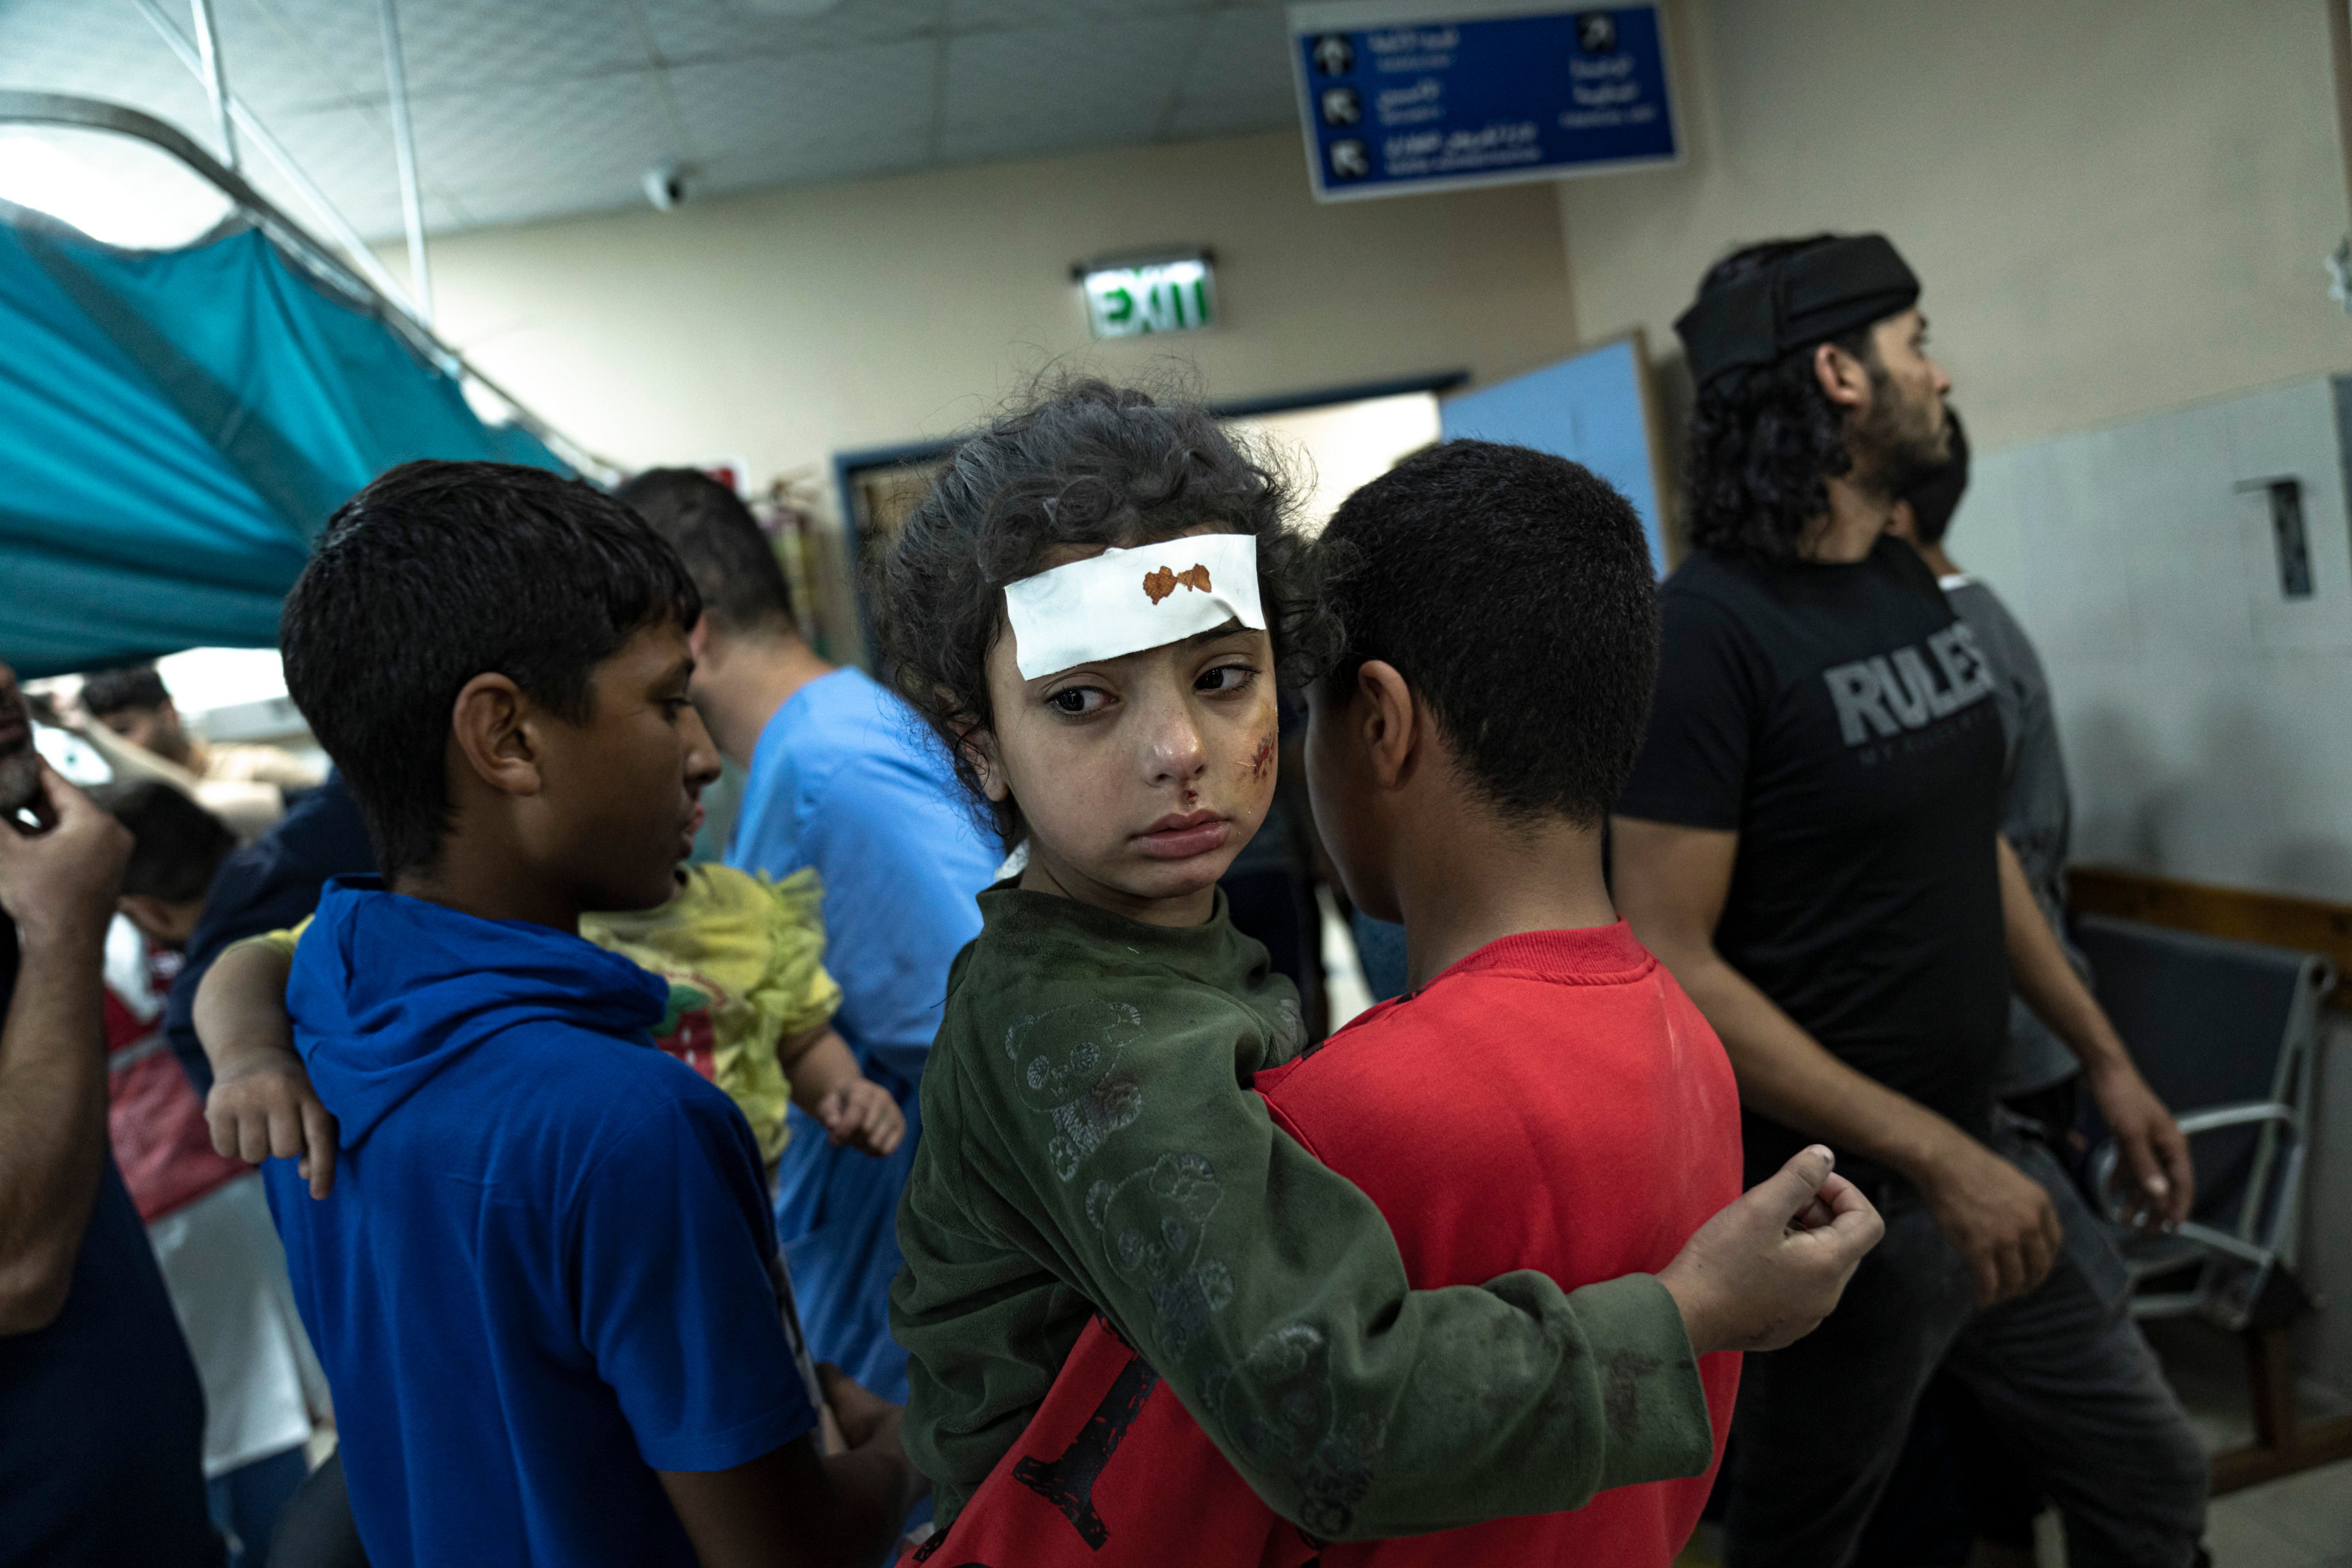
(666, 185)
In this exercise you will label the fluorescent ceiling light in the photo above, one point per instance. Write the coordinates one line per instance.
(115, 190)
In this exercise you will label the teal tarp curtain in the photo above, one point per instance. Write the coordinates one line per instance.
(174, 428)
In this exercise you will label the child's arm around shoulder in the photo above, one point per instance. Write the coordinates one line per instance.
(262, 1105)
(1269, 1292)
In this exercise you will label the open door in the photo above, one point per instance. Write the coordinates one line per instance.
(1595, 409)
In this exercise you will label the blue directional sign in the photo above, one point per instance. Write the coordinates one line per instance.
(1416, 95)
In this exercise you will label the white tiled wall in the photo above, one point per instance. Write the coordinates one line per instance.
(2207, 718)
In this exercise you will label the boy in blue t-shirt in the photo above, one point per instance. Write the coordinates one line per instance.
(544, 1287)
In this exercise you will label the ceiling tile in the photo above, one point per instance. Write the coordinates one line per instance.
(1196, 117)
(464, 43)
(450, 44)
(1037, 136)
(1074, 73)
(692, 30)
(1243, 55)
(347, 149)
(338, 43)
(70, 46)
(542, 199)
(975, 15)
(530, 109)
(604, 131)
(276, 64)
(347, 152)
(814, 161)
(838, 96)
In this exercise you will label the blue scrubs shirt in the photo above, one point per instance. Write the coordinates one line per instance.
(847, 779)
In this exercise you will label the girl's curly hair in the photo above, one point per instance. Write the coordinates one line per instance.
(1763, 440)
(1079, 462)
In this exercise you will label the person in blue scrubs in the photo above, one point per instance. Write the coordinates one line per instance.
(842, 776)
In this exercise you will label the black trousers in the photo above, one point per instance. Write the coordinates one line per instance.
(2063, 1375)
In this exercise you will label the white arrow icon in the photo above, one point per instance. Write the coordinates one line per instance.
(1333, 55)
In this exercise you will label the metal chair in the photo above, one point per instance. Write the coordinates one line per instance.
(2227, 1034)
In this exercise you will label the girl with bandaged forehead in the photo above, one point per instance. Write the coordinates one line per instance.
(1091, 607)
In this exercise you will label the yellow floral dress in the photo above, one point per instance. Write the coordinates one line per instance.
(744, 957)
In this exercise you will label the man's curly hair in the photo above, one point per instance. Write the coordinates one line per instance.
(1763, 440)
(1080, 462)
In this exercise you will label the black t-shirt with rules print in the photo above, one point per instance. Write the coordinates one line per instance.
(1838, 717)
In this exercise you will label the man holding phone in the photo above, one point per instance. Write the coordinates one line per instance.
(101, 1417)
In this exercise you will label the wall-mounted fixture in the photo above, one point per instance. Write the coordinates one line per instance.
(2288, 536)
(665, 185)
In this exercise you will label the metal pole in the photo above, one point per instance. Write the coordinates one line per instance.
(369, 288)
(338, 227)
(2339, 47)
(403, 143)
(215, 76)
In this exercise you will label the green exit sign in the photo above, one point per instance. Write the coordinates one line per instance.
(1160, 294)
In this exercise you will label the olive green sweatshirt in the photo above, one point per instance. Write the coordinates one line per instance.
(1090, 1143)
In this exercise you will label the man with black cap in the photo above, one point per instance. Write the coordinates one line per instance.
(1811, 841)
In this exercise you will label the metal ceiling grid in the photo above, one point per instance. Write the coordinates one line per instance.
(533, 109)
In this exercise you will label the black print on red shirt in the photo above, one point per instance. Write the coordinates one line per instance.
(1885, 695)
(1068, 1482)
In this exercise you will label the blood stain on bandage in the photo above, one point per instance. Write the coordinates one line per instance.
(1160, 583)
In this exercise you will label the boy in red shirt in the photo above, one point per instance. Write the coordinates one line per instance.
(1543, 1096)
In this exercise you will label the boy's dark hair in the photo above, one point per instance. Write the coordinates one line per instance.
(1081, 463)
(175, 844)
(1764, 440)
(440, 572)
(1934, 495)
(113, 690)
(732, 564)
(1514, 592)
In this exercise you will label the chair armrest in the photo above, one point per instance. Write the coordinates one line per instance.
(2214, 1117)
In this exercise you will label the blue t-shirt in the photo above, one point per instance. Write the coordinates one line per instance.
(546, 1269)
(847, 779)
(101, 1417)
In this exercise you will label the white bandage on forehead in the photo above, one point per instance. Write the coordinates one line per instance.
(1124, 601)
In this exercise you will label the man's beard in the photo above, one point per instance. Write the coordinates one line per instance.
(20, 779)
(1899, 442)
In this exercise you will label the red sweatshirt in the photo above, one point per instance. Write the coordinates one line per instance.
(1553, 1102)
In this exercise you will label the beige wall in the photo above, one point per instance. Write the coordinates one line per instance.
(785, 326)
(2116, 206)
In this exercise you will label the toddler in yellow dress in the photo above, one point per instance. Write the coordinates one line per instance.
(750, 1008)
